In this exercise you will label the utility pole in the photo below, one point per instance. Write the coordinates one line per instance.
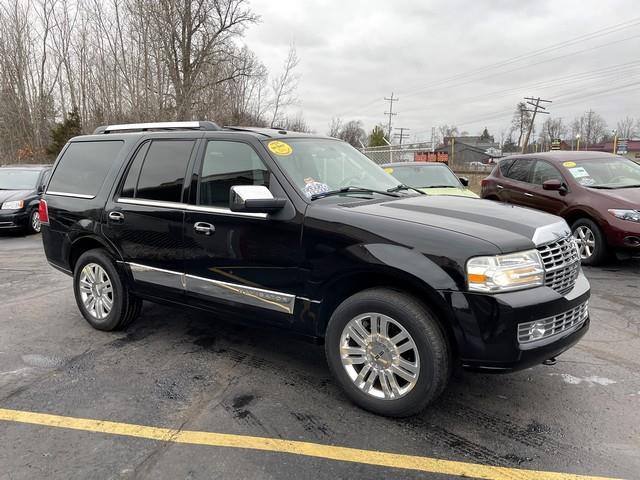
(536, 108)
(390, 112)
(433, 139)
(401, 135)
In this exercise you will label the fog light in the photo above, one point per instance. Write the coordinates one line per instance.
(537, 330)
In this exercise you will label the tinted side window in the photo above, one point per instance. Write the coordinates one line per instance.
(520, 170)
(162, 173)
(543, 171)
(226, 164)
(131, 182)
(504, 166)
(84, 166)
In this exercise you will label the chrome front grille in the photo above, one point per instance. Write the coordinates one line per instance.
(561, 264)
(539, 331)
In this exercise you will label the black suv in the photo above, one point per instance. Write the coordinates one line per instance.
(306, 233)
(20, 190)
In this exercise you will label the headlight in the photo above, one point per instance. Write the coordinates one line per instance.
(631, 215)
(13, 205)
(503, 273)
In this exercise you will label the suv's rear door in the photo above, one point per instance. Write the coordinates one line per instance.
(144, 217)
(517, 187)
(246, 260)
(552, 201)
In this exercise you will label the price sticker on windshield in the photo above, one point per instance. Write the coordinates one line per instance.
(578, 172)
(388, 170)
(569, 164)
(280, 148)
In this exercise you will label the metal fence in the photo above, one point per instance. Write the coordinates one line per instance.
(419, 152)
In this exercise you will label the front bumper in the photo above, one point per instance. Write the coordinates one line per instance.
(623, 234)
(10, 219)
(487, 325)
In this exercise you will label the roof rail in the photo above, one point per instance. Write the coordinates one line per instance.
(143, 127)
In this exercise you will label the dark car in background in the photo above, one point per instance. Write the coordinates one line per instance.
(598, 194)
(432, 178)
(20, 191)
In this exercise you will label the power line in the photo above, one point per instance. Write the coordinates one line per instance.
(581, 38)
(390, 112)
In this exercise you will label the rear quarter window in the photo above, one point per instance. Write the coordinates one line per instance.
(84, 167)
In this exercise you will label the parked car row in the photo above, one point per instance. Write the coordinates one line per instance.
(305, 233)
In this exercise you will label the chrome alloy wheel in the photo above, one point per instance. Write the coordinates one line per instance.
(35, 221)
(96, 291)
(586, 241)
(380, 356)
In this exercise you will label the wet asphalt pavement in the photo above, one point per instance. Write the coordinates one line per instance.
(184, 369)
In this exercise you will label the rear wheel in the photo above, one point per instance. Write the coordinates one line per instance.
(387, 352)
(590, 240)
(100, 294)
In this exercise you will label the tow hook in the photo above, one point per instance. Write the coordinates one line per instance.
(550, 361)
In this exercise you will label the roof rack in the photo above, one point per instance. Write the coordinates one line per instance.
(143, 127)
(266, 131)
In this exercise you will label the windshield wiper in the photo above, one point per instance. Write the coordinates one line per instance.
(402, 186)
(351, 189)
(630, 186)
(442, 186)
(601, 187)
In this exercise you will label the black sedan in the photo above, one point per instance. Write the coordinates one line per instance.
(20, 190)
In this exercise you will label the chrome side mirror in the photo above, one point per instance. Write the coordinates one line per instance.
(254, 199)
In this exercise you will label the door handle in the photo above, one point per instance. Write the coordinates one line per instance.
(527, 194)
(116, 217)
(499, 186)
(204, 228)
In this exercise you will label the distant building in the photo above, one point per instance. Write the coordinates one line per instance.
(626, 148)
(471, 149)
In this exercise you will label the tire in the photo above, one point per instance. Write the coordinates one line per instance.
(96, 278)
(591, 241)
(428, 356)
(34, 225)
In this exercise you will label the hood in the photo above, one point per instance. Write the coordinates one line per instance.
(508, 227)
(8, 195)
(457, 191)
(621, 197)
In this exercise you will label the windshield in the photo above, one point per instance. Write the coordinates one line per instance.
(605, 172)
(16, 179)
(424, 176)
(322, 165)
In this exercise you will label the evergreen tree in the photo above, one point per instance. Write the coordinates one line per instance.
(62, 132)
(377, 137)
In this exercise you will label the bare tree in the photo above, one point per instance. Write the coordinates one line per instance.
(353, 133)
(521, 120)
(552, 129)
(627, 128)
(334, 127)
(284, 85)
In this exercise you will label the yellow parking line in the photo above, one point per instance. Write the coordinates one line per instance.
(369, 457)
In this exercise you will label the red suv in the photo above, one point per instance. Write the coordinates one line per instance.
(598, 194)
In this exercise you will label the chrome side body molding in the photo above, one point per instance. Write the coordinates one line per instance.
(215, 289)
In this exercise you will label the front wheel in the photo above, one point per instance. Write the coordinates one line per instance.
(34, 222)
(387, 352)
(100, 294)
(590, 240)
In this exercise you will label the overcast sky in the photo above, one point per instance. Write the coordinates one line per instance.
(444, 60)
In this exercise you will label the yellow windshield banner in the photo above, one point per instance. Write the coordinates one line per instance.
(280, 148)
